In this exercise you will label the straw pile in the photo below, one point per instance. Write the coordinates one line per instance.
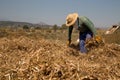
(28, 59)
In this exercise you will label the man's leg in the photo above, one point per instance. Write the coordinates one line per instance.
(89, 35)
(83, 37)
(82, 43)
(82, 46)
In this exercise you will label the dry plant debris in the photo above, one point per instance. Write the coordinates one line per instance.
(26, 59)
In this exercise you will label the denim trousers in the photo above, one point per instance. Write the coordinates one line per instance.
(82, 37)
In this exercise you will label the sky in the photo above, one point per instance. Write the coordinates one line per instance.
(103, 13)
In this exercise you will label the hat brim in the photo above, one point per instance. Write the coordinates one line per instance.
(75, 16)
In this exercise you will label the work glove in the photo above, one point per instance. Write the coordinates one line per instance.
(96, 41)
(68, 42)
(99, 39)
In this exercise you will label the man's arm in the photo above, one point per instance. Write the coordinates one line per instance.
(70, 33)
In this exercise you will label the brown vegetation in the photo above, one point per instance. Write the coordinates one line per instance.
(43, 55)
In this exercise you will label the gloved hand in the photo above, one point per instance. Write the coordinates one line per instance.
(99, 39)
(68, 42)
(96, 41)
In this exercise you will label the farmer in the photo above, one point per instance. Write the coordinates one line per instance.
(85, 27)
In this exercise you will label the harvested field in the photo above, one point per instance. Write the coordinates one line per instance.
(24, 58)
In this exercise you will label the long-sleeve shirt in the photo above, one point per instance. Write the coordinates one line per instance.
(84, 25)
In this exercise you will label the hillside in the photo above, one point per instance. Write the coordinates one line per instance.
(13, 23)
(21, 24)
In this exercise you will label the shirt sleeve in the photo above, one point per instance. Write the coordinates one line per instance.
(70, 32)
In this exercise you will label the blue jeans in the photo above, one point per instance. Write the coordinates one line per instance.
(82, 38)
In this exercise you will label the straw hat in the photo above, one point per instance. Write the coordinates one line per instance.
(71, 18)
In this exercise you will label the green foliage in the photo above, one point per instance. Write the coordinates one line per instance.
(64, 26)
(37, 27)
(55, 28)
(25, 27)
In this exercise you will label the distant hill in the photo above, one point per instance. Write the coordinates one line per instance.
(13, 23)
(21, 24)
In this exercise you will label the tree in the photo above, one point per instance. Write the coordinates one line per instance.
(63, 26)
(55, 28)
(25, 27)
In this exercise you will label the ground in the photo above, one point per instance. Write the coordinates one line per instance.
(43, 56)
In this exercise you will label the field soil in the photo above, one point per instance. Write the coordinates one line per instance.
(35, 57)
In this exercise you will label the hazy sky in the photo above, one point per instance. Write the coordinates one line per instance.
(103, 13)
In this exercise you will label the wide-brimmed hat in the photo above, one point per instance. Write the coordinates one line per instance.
(71, 18)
